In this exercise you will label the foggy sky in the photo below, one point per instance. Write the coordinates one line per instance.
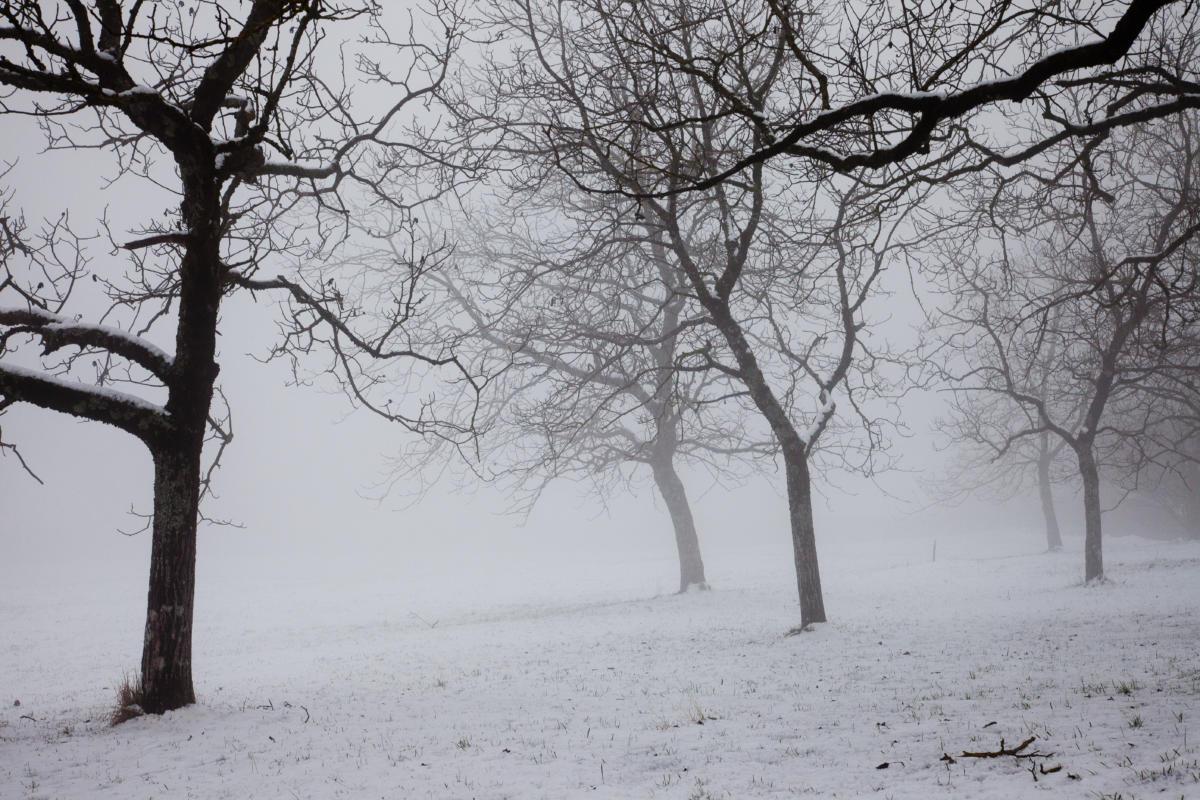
(300, 473)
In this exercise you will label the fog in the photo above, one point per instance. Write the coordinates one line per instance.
(304, 490)
(303, 480)
(302, 483)
(833, 272)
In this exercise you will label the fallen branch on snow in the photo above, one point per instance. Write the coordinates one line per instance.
(1015, 752)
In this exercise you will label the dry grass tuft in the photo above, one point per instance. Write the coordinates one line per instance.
(129, 700)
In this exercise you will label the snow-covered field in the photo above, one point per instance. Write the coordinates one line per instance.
(314, 688)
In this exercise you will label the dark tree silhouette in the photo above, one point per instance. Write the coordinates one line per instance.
(259, 151)
(916, 87)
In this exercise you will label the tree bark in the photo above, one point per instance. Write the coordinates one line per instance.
(804, 539)
(1093, 554)
(687, 543)
(167, 649)
(1053, 535)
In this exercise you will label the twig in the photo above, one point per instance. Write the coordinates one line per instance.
(1015, 752)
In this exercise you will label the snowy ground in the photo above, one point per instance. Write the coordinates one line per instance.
(311, 689)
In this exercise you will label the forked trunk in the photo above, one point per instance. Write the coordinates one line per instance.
(687, 543)
(804, 539)
(1053, 535)
(1093, 553)
(795, 460)
(167, 650)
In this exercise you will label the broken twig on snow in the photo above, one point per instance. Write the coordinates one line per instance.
(1015, 752)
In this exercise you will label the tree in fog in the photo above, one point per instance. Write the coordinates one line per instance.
(777, 265)
(577, 302)
(1162, 466)
(985, 462)
(1173, 489)
(1065, 313)
(221, 108)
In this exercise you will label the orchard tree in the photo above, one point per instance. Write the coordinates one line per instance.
(258, 150)
(1162, 467)
(1173, 489)
(987, 463)
(577, 302)
(898, 96)
(1069, 306)
(777, 265)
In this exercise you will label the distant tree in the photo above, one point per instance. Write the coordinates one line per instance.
(1069, 306)
(1045, 463)
(259, 149)
(1170, 492)
(579, 305)
(987, 463)
(1162, 467)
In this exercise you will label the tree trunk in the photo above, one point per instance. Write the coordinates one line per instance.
(691, 565)
(1190, 505)
(167, 650)
(1093, 554)
(795, 459)
(1053, 536)
(1192, 517)
(804, 539)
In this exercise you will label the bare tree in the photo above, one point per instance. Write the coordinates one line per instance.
(1045, 462)
(778, 265)
(1164, 492)
(986, 463)
(892, 95)
(581, 308)
(231, 96)
(1162, 466)
(1069, 307)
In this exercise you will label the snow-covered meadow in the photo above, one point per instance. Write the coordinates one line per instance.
(313, 688)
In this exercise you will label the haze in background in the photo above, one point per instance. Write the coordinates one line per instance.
(301, 478)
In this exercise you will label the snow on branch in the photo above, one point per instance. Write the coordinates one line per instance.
(57, 331)
(299, 169)
(132, 414)
(824, 413)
